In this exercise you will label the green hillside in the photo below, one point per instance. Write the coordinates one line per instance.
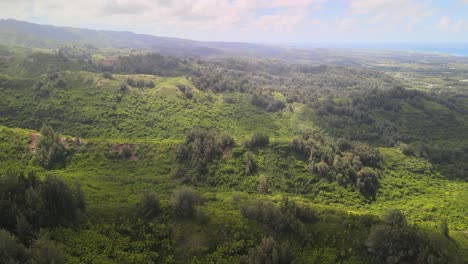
(158, 159)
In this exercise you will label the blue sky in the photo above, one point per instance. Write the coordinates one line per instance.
(267, 21)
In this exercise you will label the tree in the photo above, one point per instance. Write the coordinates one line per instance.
(107, 75)
(263, 184)
(394, 241)
(395, 218)
(269, 252)
(250, 164)
(50, 152)
(59, 203)
(149, 206)
(322, 168)
(45, 251)
(23, 229)
(184, 201)
(11, 252)
(257, 140)
(367, 181)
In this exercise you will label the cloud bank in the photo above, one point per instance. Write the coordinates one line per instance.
(256, 20)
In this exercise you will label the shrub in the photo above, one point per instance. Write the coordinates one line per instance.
(149, 206)
(202, 146)
(250, 163)
(59, 203)
(11, 251)
(27, 203)
(226, 141)
(180, 174)
(263, 185)
(280, 220)
(257, 140)
(50, 152)
(150, 84)
(269, 252)
(394, 241)
(408, 150)
(185, 201)
(107, 75)
(126, 152)
(45, 251)
(367, 181)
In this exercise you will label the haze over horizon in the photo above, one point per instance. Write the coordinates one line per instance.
(260, 21)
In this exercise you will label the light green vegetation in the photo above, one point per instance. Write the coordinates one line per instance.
(130, 138)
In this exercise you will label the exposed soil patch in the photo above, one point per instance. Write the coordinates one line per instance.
(33, 142)
(67, 142)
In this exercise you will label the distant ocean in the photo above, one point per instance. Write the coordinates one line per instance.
(458, 49)
(451, 49)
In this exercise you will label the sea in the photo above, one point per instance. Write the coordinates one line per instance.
(456, 49)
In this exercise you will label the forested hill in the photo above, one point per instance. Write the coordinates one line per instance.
(19, 33)
(113, 155)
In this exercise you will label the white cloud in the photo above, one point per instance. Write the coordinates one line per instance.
(448, 24)
(158, 16)
(394, 10)
(244, 20)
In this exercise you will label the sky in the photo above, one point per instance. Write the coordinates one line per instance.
(260, 21)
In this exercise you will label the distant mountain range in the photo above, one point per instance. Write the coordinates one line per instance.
(25, 34)
(30, 35)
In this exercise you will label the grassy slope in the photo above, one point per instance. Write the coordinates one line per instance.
(88, 107)
(114, 186)
(155, 119)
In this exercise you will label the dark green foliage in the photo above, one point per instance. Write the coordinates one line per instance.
(250, 163)
(79, 196)
(202, 147)
(367, 181)
(107, 75)
(149, 206)
(27, 203)
(150, 84)
(52, 74)
(23, 228)
(45, 251)
(395, 218)
(304, 213)
(185, 90)
(131, 82)
(341, 161)
(287, 218)
(270, 252)
(394, 241)
(11, 251)
(42, 90)
(406, 149)
(226, 141)
(50, 152)
(59, 203)
(185, 201)
(152, 63)
(181, 174)
(123, 88)
(444, 228)
(257, 140)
